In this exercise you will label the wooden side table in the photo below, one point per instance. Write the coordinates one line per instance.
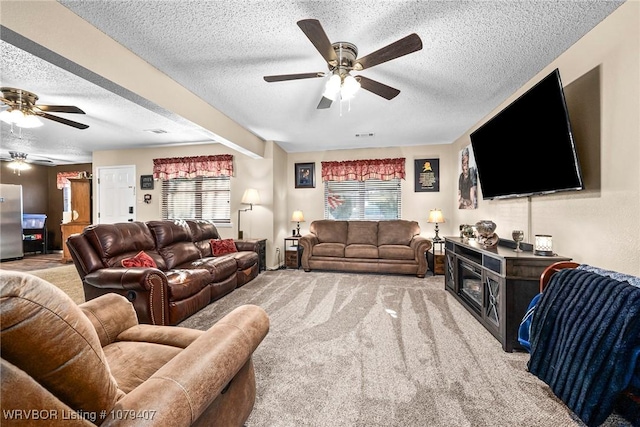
(435, 258)
(292, 252)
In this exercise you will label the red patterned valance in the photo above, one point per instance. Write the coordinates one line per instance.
(63, 178)
(362, 170)
(191, 167)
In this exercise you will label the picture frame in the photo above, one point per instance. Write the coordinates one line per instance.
(146, 182)
(305, 175)
(426, 173)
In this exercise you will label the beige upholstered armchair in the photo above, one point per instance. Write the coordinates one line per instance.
(93, 364)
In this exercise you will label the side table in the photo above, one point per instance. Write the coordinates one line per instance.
(292, 252)
(435, 258)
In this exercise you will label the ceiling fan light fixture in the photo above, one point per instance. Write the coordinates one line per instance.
(349, 87)
(29, 121)
(332, 88)
(18, 162)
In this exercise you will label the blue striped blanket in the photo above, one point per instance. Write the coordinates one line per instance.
(585, 340)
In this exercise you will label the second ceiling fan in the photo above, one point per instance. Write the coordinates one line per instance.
(342, 58)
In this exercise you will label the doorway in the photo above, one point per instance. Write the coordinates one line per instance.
(116, 194)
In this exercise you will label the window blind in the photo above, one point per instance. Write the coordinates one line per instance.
(197, 198)
(362, 200)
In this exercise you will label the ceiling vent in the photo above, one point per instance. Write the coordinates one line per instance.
(365, 135)
(158, 131)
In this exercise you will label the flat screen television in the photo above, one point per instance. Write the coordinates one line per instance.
(528, 148)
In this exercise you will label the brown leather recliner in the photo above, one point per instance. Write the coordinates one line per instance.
(93, 364)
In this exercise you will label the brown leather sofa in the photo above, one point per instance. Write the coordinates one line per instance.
(187, 276)
(93, 364)
(392, 246)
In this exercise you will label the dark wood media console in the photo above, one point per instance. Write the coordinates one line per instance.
(496, 285)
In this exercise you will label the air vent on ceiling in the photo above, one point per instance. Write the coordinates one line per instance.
(155, 130)
(365, 135)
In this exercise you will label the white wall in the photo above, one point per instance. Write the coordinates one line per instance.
(599, 226)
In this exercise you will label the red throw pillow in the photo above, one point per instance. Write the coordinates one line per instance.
(222, 247)
(140, 260)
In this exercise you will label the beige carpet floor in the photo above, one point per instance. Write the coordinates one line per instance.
(375, 350)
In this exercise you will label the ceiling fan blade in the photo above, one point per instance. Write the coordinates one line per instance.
(315, 33)
(59, 109)
(402, 47)
(284, 77)
(378, 88)
(324, 103)
(63, 121)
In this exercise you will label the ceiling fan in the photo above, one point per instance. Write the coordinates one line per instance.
(342, 58)
(23, 109)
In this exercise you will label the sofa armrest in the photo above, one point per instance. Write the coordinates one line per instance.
(308, 241)
(421, 245)
(180, 391)
(110, 314)
(246, 246)
(145, 288)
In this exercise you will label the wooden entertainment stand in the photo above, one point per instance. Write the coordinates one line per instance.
(496, 284)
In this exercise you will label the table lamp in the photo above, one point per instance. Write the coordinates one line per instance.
(435, 216)
(297, 217)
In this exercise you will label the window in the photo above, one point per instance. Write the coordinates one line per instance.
(197, 198)
(372, 199)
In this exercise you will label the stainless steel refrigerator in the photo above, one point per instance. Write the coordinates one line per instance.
(10, 221)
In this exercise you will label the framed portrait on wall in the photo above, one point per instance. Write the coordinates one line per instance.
(467, 179)
(305, 175)
(426, 175)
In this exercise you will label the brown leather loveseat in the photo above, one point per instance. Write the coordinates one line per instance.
(392, 246)
(181, 276)
(93, 364)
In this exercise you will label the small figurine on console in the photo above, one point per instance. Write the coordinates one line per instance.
(486, 233)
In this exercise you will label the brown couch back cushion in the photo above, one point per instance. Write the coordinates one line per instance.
(397, 232)
(174, 242)
(115, 242)
(330, 231)
(202, 232)
(45, 334)
(363, 233)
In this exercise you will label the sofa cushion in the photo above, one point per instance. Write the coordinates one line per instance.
(202, 231)
(361, 251)
(183, 283)
(222, 247)
(174, 242)
(329, 249)
(363, 232)
(115, 242)
(140, 260)
(330, 231)
(396, 252)
(397, 232)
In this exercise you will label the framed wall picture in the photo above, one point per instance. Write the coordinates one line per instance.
(305, 175)
(427, 175)
(146, 182)
(467, 180)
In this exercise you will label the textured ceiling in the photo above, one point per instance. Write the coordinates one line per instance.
(475, 55)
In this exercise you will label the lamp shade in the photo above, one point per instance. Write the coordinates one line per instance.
(435, 215)
(297, 216)
(250, 197)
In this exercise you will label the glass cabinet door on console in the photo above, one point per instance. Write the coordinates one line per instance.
(494, 284)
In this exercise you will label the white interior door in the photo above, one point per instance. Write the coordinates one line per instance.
(116, 194)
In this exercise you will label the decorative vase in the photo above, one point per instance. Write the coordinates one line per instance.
(486, 233)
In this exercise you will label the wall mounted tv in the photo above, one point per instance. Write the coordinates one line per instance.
(528, 148)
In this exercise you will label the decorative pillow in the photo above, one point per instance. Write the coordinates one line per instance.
(222, 246)
(140, 260)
